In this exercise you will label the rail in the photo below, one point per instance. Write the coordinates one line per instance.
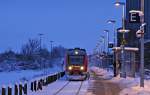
(67, 85)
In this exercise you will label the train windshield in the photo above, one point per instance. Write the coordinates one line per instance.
(76, 60)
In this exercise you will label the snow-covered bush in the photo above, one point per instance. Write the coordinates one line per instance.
(32, 56)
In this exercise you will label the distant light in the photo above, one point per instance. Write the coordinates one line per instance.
(70, 68)
(81, 68)
(106, 30)
(123, 31)
(111, 21)
(76, 52)
(117, 4)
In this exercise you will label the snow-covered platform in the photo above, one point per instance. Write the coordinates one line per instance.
(62, 87)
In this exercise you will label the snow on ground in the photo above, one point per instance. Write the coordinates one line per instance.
(70, 89)
(130, 86)
(9, 78)
(106, 74)
(25, 76)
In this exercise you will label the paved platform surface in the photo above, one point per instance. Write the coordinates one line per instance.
(100, 86)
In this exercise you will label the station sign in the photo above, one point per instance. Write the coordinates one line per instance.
(134, 17)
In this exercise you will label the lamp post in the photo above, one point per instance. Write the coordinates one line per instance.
(123, 12)
(100, 47)
(107, 57)
(98, 53)
(114, 45)
(142, 54)
(140, 34)
(142, 46)
(123, 31)
(40, 35)
(103, 39)
(107, 31)
(51, 47)
(113, 22)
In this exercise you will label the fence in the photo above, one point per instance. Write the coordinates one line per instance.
(34, 85)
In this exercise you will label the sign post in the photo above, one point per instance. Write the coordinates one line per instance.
(134, 17)
(142, 45)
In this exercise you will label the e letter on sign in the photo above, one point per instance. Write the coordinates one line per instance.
(134, 17)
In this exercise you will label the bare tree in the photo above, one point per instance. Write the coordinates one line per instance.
(58, 51)
(32, 47)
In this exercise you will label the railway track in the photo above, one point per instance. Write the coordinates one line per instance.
(65, 88)
(79, 88)
(61, 88)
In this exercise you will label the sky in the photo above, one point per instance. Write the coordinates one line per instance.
(70, 23)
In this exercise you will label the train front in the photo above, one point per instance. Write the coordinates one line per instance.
(76, 64)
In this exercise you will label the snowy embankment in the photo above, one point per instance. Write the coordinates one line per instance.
(9, 78)
(28, 81)
(129, 86)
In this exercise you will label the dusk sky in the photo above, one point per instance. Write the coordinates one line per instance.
(70, 23)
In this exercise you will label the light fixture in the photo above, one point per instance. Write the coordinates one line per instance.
(119, 3)
(70, 67)
(111, 21)
(123, 31)
(81, 68)
(76, 52)
(106, 30)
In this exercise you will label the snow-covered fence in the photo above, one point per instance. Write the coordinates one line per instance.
(31, 86)
(3, 90)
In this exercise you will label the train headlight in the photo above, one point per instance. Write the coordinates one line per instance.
(76, 52)
(81, 68)
(70, 68)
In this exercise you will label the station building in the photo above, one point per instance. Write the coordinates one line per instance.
(132, 40)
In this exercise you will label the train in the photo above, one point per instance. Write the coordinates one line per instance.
(76, 64)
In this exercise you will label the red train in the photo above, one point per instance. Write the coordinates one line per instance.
(76, 64)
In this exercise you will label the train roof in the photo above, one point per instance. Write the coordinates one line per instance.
(76, 51)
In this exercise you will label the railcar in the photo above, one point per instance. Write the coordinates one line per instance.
(76, 64)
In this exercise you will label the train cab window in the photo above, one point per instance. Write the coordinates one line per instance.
(76, 59)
